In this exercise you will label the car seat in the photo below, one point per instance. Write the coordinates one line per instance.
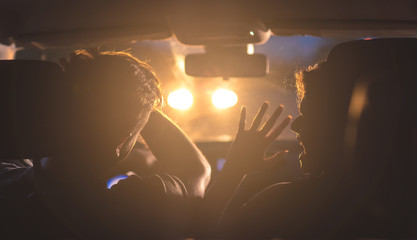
(380, 135)
(30, 105)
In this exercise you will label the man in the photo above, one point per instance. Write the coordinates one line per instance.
(110, 102)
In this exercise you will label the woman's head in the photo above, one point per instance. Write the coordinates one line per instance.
(323, 102)
(358, 116)
(337, 95)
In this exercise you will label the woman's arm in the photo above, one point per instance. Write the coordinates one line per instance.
(247, 154)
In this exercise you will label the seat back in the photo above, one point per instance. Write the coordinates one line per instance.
(381, 134)
(30, 107)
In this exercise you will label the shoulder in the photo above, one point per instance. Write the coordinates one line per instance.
(155, 205)
(16, 176)
(157, 185)
(277, 210)
(282, 192)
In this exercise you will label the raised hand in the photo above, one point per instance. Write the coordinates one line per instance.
(247, 152)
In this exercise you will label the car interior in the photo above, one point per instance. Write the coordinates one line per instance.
(212, 57)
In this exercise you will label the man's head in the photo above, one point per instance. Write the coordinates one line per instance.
(111, 95)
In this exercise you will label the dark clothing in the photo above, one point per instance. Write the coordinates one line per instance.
(154, 206)
(13, 170)
(318, 208)
(23, 216)
(284, 209)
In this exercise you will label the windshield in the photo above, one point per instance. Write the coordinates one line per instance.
(202, 120)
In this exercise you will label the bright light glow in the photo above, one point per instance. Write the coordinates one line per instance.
(181, 99)
(250, 49)
(223, 98)
(251, 33)
(180, 62)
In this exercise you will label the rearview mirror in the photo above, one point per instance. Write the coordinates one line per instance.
(226, 65)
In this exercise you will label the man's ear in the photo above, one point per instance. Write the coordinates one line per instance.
(124, 148)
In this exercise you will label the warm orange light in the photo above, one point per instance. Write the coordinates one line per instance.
(181, 99)
(223, 98)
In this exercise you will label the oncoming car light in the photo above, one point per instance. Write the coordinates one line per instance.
(223, 98)
(181, 99)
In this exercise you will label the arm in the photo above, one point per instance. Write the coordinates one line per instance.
(176, 154)
(246, 154)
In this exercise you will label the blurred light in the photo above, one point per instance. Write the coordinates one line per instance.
(223, 98)
(251, 33)
(250, 49)
(181, 99)
(220, 163)
(180, 62)
(8, 52)
(114, 180)
(224, 138)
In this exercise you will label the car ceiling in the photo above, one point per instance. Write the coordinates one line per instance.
(51, 23)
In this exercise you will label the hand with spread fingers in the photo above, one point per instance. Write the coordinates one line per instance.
(247, 153)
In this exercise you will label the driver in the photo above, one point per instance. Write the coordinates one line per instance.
(111, 101)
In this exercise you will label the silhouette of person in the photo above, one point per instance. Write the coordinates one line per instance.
(357, 127)
(111, 101)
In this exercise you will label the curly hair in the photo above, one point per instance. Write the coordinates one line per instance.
(303, 78)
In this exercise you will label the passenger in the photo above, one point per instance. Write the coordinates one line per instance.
(357, 126)
(112, 102)
(246, 155)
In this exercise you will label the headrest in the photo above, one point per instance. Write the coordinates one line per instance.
(385, 68)
(29, 105)
(380, 136)
(388, 65)
(364, 55)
